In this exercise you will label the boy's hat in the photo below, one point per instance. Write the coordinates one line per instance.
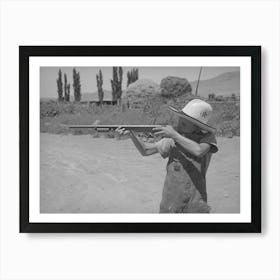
(197, 112)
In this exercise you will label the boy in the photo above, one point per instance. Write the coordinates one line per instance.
(189, 149)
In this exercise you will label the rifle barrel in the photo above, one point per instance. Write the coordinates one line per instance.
(136, 127)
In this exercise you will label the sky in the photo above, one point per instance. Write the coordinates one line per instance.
(48, 76)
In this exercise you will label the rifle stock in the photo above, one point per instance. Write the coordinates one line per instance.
(106, 128)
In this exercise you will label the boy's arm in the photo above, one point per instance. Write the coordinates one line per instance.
(145, 149)
(196, 149)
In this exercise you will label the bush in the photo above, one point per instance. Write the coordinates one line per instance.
(220, 98)
(139, 93)
(172, 87)
(211, 96)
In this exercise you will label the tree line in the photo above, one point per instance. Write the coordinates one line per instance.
(63, 90)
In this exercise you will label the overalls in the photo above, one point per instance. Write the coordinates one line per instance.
(185, 183)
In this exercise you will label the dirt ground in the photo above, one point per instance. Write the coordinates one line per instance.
(82, 174)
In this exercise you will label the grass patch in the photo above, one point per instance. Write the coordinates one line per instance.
(55, 115)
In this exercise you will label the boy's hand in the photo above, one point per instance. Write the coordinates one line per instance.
(122, 131)
(165, 131)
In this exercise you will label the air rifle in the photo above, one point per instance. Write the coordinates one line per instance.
(109, 127)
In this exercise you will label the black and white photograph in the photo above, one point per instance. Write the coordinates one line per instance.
(143, 136)
(182, 156)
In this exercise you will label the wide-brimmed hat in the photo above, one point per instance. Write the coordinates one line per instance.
(197, 112)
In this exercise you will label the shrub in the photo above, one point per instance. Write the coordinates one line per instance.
(172, 87)
(139, 92)
(211, 96)
(219, 98)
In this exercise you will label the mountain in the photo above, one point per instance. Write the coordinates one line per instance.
(224, 84)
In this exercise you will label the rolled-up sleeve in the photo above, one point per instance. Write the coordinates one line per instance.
(164, 146)
(210, 139)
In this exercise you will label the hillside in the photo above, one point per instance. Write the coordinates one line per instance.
(224, 84)
(93, 96)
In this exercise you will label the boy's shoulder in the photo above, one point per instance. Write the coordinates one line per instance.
(210, 139)
(209, 136)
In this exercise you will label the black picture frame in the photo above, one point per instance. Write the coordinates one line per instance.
(25, 52)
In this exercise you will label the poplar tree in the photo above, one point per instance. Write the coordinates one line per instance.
(132, 76)
(66, 89)
(99, 81)
(76, 85)
(116, 83)
(59, 86)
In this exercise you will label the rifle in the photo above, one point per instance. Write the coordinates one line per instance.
(108, 127)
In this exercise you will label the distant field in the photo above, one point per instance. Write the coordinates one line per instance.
(226, 116)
